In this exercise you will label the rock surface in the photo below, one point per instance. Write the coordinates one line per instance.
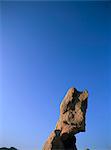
(71, 121)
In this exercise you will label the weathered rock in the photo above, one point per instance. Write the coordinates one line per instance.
(71, 121)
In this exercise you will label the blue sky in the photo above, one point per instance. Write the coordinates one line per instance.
(48, 47)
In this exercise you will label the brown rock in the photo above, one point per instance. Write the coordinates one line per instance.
(71, 121)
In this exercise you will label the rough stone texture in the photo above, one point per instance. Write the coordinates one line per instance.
(71, 121)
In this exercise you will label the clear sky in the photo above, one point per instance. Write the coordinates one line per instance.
(48, 47)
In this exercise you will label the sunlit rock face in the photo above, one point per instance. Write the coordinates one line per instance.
(71, 121)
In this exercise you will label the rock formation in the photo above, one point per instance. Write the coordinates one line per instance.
(71, 121)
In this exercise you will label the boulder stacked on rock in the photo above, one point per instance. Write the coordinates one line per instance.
(71, 121)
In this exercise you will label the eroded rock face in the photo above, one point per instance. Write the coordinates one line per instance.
(71, 121)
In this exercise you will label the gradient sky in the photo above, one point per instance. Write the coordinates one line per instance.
(48, 47)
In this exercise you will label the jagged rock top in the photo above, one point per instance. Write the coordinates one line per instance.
(72, 112)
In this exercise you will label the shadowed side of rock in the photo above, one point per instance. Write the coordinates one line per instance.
(56, 142)
(65, 142)
(71, 121)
